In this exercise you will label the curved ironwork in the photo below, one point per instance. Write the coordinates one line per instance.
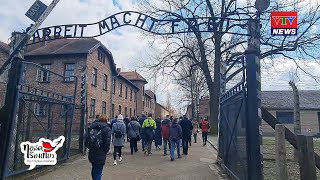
(130, 18)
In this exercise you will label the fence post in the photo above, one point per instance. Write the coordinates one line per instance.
(281, 164)
(306, 157)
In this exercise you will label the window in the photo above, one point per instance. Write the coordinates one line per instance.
(94, 76)
(130, 112)
(134, 112)
(126, 92)
(105, 82)
(285, 117)
(135, 96)
(101, 57)
(126, 111)
(43, 75)
(104, 107)
(69, 70)
(112, 111)
(92, 107)
(130, 94)
(40, 109)
(120, 90)
(114, 85)
(119, 109)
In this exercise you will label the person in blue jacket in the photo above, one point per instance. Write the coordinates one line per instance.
(158, 134)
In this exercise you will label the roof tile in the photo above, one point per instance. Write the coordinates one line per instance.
(133, 76)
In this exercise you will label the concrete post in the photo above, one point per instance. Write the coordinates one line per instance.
(281, 165)
(306, 158)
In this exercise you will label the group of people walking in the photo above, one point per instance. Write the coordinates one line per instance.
(173, 132)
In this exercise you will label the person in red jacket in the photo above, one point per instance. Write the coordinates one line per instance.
(204, 125)
(165, 126)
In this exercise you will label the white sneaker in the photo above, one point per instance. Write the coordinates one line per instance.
(115, 162)
(120, 159)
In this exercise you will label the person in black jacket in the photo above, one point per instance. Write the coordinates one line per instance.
(97, 156)
(186, 126)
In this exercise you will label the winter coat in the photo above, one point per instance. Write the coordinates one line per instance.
(175, 132)
(133, 129)
(165, 126)
(118, 125)
(186, 126)
(157, 133)
(149, 125)
(195, 125)
(143, 117)
(126, 121)
(98, 156)
(205, 126)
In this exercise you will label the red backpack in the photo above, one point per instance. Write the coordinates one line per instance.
(165, 130)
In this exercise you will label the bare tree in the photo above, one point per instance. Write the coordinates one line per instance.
(230, 37)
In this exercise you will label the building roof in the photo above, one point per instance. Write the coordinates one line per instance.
(5, 47)
(283, 100)
(150, 93)
(63, 46)
(128, 81)
(133, 76)
(162, 107)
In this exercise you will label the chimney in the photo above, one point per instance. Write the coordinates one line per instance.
(118, 69)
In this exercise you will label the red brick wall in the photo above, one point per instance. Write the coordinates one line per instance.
(122, 100)
(149, 107)
(97, 92)
(57, 85)
(140, 97)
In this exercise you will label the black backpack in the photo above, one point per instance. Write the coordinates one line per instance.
(94, 138)
(118, 133)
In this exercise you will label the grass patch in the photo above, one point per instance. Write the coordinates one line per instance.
(268, 141)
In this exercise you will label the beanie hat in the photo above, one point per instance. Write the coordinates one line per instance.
(120, 117)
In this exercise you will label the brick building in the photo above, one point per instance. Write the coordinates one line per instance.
(109, 91)
(149, 102)
(161, 111)
(138, 81)
(204, 111)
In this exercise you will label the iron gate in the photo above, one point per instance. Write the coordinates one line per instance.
(239, 131)
(232, 126)
(43, 106)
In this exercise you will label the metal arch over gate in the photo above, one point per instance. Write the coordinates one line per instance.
(238, 107)
(173, 25)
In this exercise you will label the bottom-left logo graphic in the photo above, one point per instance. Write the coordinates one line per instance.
(42, 152)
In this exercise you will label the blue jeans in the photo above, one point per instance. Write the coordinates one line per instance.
(96, 172)
(185, 146)
(165, 145)
(173, 145)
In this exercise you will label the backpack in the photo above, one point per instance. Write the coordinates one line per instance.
(118, 133)
(94, 138)
(165, 130)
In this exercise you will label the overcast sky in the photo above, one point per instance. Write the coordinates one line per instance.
(128, 46)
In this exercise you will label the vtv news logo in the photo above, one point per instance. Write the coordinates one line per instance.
(284, 23)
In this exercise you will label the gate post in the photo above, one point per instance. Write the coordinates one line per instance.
(7, 114)
(254, 131)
